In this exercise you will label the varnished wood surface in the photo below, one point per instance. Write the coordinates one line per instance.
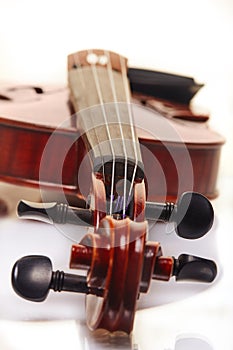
(189, 146)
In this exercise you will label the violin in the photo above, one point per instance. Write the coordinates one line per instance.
(105, 155)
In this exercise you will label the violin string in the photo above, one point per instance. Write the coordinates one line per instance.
(113, 88)
(82, 79)
(125, 83)
(97, 83)
(134, 138)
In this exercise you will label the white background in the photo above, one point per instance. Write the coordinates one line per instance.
(186, 37)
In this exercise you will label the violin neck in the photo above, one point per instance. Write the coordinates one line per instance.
(100, 95)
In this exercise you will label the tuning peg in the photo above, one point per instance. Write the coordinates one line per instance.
(186, 267)
(55, 213)
(193, 214)
(189, 267)
(33, 277)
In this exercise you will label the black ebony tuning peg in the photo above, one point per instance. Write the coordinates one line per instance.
(33, 277)
(193, 214)
(189, 267)
(60, 213)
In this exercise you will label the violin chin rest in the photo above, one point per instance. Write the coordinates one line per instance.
(194, 215)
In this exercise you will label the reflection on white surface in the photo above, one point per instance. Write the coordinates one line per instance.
(192, 343)
(74, 335)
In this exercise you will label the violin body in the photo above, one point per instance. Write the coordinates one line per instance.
(176, 144)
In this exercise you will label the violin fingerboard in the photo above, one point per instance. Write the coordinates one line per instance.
(100, 94)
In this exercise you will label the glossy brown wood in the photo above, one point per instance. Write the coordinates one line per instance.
(189, 162)
(114, 262)
(22, 145)
(120, 262)
(3, 208)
